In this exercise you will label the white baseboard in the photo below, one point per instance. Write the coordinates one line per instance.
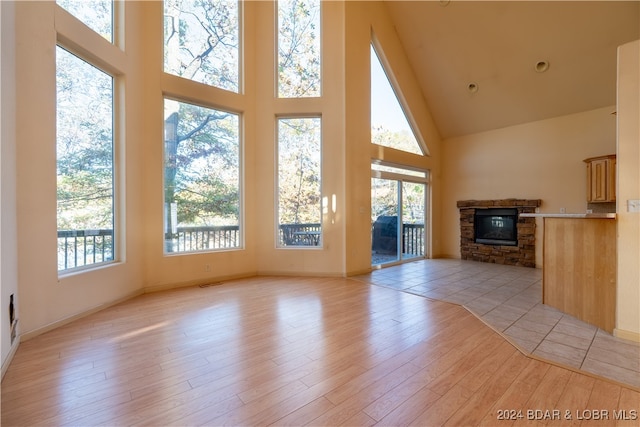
(51, 326)
(200, 282)
(278, 273)
(12, 352)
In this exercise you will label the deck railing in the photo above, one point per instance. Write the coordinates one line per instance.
(308, 234)
(77, 248)
(190, 239)
(413, 239)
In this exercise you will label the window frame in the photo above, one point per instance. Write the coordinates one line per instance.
(377, 51)
(241, 176)
(401, 178)
(240, 52)
(320, 239)
(117, 106)
(184, 90)
(74, 36)
(320, 54)
(115, 38)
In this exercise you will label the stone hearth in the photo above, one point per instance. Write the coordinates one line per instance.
(524, 254)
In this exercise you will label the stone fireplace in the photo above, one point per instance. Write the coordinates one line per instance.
(520, 251)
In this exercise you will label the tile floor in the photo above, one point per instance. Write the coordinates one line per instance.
(509, 299)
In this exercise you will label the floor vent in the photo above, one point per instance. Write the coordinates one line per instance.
(208, 285)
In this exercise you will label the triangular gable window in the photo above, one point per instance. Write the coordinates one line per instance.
(389, 124)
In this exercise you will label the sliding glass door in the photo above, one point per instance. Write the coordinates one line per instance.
(385, 209)
(398, 213)
(413, 223)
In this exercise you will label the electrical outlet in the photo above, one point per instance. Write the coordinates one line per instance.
(563, 210)
(633, 205)
(207, 268)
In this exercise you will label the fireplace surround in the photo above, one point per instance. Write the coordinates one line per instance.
(520, 251)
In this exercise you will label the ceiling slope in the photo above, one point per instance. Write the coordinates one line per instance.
(496, 46)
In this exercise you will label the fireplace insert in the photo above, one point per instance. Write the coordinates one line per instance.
(495, 226)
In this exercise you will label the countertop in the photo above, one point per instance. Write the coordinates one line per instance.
(570, 215)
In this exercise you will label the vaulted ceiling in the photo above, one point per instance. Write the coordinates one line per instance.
(501, 47)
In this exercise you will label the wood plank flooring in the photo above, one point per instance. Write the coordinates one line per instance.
(290, 352)
(509, 299)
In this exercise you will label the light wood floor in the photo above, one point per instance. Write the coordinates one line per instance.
(294, 351)
(509, 299)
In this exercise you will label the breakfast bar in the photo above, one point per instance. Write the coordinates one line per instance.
(579, 266)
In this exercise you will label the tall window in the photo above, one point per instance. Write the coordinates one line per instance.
(298, 48)
(201, 178)
(389, 124)
(201, 41)
(299, 181)
(95, 14)
(85, 162)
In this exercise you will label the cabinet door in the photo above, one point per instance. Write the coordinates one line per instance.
(598, 177)
(611, 180)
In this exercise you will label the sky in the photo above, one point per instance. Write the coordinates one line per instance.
(385, 108)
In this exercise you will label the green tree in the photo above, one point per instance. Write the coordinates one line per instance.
(201, 164)
(299, 151)
(96, 14)
(202, 176)
(202, 41)
(298, 48)
(84, 147)
(401, 140)
(384, 198)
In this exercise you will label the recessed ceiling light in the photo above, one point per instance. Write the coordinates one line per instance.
(541, 66)
(472, 87)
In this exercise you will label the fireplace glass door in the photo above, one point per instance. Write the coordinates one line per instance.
(496, 227)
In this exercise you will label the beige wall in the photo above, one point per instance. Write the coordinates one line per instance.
(45, 299)
(165, 271)
(538, 160)
(328, 259)
(628, 295)
(345, 153)
(543, 160)
(48, 300)
(8, 219)
(362, 20)
(460, 168)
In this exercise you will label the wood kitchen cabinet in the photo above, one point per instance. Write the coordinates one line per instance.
(601, 179)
